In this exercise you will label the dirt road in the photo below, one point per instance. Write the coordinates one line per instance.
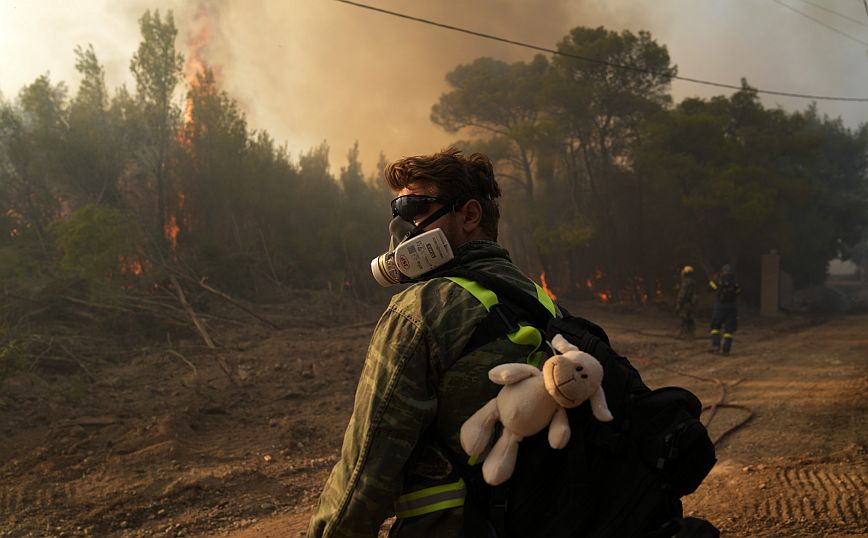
(166, 444)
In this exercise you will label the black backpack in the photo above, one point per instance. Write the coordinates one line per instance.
(618, 479)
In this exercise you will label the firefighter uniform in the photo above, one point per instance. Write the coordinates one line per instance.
(685, 303)
(724, 316)
(401, 447)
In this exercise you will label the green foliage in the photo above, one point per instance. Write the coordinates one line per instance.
(97, 242)
(600, 173)
(157, 68)
(32, 171)
(156, 65)
(750, 179)
(94, 154)
(559, 239)
(611, 177)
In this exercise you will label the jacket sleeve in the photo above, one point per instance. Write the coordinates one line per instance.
(394, 404)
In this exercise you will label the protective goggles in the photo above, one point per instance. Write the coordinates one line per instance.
(410, 206)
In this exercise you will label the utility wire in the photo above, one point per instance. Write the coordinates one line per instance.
(865, 3)
(821, 23)
(824, 8)
(596, 60)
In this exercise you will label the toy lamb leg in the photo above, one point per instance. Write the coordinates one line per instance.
(529, 401)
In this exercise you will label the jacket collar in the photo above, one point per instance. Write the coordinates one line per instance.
(469, 253)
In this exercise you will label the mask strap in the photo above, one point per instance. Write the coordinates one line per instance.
(461, 200)
(434, 216)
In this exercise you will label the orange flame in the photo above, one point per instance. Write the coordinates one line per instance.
(171, 230)
(603, 296)
(172, 226)
(131, 266)
(198, 42)
(589, 283)
(545, 287)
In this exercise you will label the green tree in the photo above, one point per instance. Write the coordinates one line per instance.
(362, 212)
(32, 137)
(157, 68)
(599, 106)
(730, 180)
(95, 153)
(500, 101)
(99, 243)
(215, 146)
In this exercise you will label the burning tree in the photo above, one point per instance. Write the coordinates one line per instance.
(157, 68)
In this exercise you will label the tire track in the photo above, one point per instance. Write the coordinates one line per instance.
(834, 494)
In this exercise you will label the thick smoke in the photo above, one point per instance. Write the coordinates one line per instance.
(309, 71)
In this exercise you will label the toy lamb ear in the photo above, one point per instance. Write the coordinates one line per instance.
(561, 345)
(599, 407)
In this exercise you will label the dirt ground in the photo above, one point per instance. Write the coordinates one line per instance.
(163, 443)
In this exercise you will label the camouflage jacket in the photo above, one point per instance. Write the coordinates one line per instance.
(409, 407)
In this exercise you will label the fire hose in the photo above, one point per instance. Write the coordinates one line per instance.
(712, 408)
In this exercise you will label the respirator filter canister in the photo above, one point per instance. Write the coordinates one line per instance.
(412, 258)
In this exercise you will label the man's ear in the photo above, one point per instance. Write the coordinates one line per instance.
(472, 213)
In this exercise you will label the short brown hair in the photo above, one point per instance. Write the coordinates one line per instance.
(453, 174)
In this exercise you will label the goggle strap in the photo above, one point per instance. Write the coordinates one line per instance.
(431, 218)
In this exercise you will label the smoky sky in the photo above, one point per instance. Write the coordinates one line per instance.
(309, 71)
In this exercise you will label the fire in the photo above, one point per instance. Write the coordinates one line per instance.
(132, 266)
(171, 230)
(589, 283)
(545, 287)
(172, 227)
(603, 296)
(198, 41)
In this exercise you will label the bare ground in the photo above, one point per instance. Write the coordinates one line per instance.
(163, 443)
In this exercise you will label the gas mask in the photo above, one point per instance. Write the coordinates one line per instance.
(412, 251)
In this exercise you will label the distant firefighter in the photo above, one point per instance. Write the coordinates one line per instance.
(685, 303)
(725, 313)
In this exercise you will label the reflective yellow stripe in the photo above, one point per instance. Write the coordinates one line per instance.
(535, 359)
(526, 335)
(727, 335)
(436, 507)
(433, 499)
(434, 490)
(485, 296)
(546, 301)
(715, 331)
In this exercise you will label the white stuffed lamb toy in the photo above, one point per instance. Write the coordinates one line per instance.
(529, 401)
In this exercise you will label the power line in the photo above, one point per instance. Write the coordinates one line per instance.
(824, 8)
(821, 23)
(596, 60)
(865, 3)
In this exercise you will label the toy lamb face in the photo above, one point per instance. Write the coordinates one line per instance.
(529, 401)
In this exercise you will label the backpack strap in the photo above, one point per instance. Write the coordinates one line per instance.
(502, 320)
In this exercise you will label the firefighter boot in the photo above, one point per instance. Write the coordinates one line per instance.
(715, 341)
(727, 343)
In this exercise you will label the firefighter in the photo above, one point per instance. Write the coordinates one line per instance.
(724, 316)
(401, 442)
(685, 303)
